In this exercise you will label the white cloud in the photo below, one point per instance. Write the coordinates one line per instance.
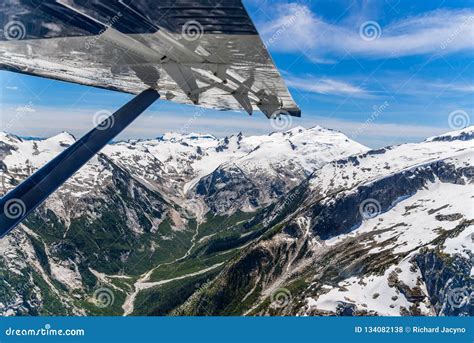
(441, 31)
(293, 28)
(26, 108)
(456, 87)
(149, 125)
(389, 130)
(325, 86)
(405, 84)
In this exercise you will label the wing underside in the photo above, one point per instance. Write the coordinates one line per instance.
(202, 52)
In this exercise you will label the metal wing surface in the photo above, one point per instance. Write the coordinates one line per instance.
(202, 52)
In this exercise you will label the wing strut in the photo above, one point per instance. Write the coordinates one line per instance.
(17, 203)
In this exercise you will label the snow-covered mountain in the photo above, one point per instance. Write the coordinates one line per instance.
(194, 224)
(179, 166)
(271, 167)
(386, 232)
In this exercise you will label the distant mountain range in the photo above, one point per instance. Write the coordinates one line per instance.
(303, 222)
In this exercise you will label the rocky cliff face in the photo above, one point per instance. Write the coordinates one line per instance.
(304, 222)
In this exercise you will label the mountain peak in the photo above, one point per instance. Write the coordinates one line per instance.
(296, 129)
(464, 134)
(4, 134)
(63, 137)
(8, 136)
(170, 136)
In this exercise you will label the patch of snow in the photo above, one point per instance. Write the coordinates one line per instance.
(372, 293)
(463, 244)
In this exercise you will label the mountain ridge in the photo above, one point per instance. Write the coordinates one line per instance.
(200, 210)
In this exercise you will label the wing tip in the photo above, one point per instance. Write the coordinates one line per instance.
(295, 112)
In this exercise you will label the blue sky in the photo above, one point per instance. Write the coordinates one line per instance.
(382, 72)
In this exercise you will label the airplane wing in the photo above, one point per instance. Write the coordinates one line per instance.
(202, 52)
